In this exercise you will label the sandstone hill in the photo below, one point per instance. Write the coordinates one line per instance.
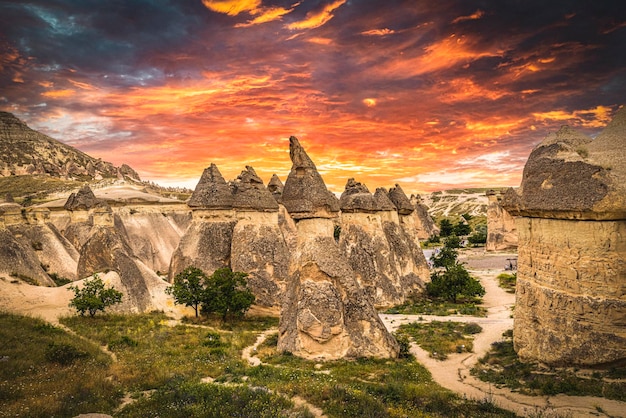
(456, 202)
(26, 151)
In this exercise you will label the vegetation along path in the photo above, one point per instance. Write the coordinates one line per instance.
(454, 372)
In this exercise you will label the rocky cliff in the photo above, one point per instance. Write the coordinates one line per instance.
(571, 302)
(325, 314)
(28, 152)
(501, 226)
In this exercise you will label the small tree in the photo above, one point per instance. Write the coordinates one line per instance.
(93, 296)
(454, 282)
(227, 293)
(445, 228)
(462, 229)
(189, 288)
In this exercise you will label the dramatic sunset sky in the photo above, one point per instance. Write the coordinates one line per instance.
(430, 94)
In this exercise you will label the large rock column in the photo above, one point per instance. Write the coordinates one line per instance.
(571, 284)
(326, 314)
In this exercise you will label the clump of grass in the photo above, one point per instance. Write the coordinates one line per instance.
(48, 372)
(428, 306)
(502, 367)
(441, 338)
(507, 281)
(58, 280)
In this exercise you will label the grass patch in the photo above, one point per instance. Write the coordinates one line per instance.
(169, 362)
(428, 306)
(507, 281)
(442, 338)
(35, 186)
(502, 367)
(45, 371)
(246, 323)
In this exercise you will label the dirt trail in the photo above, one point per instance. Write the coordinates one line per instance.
(454, 372)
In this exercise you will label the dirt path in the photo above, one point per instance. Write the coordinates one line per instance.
(454, 372)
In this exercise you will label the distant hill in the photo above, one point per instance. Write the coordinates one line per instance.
(25, 151)
(34, 166)
(454, 203)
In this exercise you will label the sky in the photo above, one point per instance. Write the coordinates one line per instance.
(431, 95)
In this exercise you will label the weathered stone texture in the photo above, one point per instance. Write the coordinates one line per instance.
(249, 193)
(423, 221)
(212, 191)
(501, 226)
(259, 249)
(326, 314)
(571, 284)
(570, 306)
(305, 195)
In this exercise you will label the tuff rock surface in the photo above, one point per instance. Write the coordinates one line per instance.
(501, 226)
(426, 226)
(368, 224)
(27, 152)
(325, 314)
(571, 302)
(305, 195)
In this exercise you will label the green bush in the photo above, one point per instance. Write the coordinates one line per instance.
(93, 296)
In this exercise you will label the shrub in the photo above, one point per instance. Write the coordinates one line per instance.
(189, 288)
(93, 296)
(227, 293)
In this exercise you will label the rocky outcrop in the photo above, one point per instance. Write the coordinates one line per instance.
(83, 200)
(106, 250)
(425, 224)
(258, 247)
(326, 314)
(236, 226)
(24, 151)
(275, 187)
(570, 307)
(501, 226)
(367, 223)
(307, 196)
(207, 241)
(19, 261)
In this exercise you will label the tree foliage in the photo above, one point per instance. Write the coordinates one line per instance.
(93, 296)
(227, 293)
(224, 292)
(462, 229)
(189, 288)
(445, 228)
(453, 283)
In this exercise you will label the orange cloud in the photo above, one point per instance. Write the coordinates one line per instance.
(232, 7)
(378, 32)
(317, 19)
(266, 15)
(474, 16)
(446, 53)
(597, 117)
(58, 93)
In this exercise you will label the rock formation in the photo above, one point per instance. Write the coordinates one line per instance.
(326, 314)
(258, 247)
(425, 224)
(501, 226)
(571, 307)
(366, 223)
(28, 152)
(275, 186)
(207, 241)
(236, 226)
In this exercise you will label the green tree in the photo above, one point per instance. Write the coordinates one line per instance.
(479, 236)
(445, 228)
(93, 296)
(462, 229)
(227, 293)
(452, 283)
(189, 288)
